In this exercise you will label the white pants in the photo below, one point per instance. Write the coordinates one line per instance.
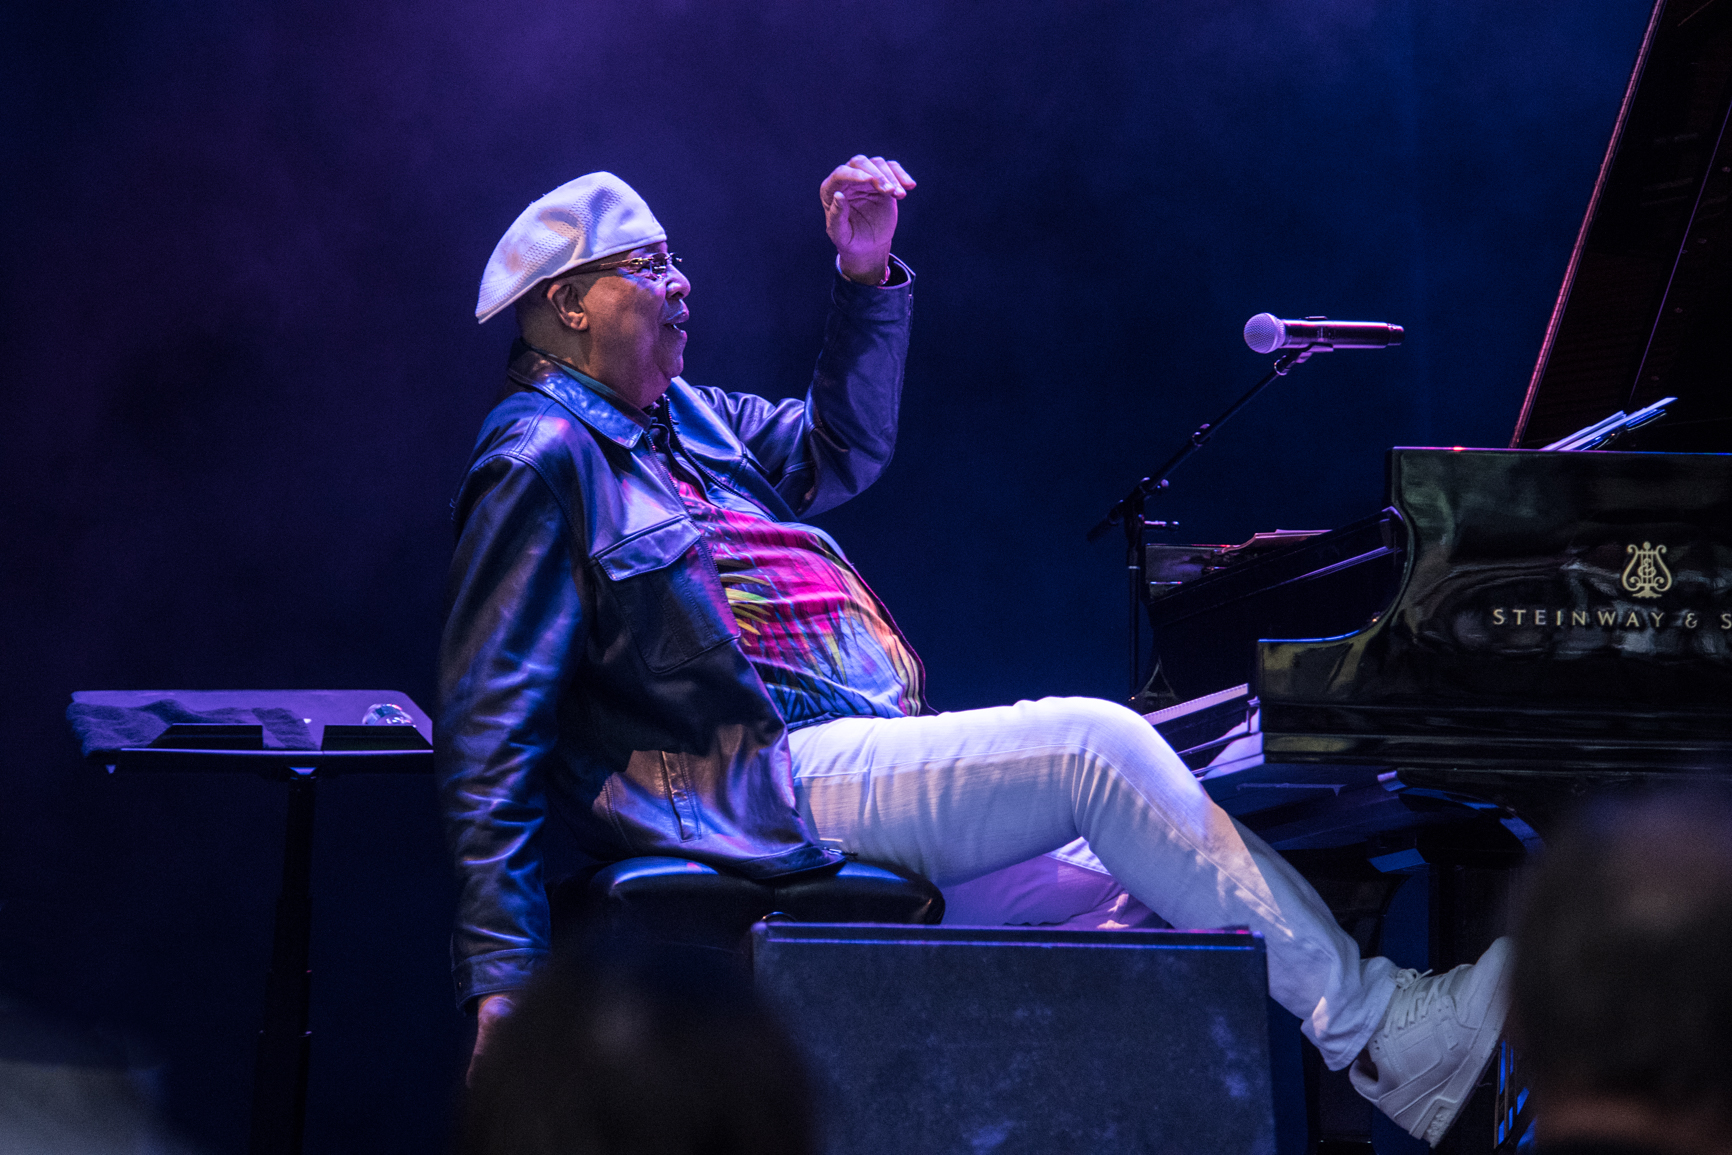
(956, 796)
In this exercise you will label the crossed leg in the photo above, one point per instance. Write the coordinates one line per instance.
(959, 795)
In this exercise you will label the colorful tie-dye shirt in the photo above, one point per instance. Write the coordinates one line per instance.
(820, 639)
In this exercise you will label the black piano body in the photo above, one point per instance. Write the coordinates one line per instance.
(1532, 628)
(1554, 624)
(1430, 689)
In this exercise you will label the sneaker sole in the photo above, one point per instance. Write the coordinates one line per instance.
(1456, 1092)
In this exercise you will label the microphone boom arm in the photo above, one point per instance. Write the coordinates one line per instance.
(1128, 510)
(1265, 333)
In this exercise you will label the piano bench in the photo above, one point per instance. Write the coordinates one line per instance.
(681, 901)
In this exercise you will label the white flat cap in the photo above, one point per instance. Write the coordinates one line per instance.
(583, 220)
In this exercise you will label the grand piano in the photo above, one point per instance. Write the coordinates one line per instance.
(1431, 688)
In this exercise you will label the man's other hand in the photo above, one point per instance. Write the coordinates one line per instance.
(860, 214)
(492, 1009)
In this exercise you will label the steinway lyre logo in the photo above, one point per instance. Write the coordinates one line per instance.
(1646, 575)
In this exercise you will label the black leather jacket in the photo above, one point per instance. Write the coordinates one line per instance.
(589, 655)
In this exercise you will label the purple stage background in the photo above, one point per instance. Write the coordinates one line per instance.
(243, 375)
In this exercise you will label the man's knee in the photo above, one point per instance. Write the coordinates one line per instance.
(1101, 727)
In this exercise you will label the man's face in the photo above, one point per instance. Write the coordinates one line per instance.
(636, 345)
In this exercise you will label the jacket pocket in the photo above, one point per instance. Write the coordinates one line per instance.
(668, 594)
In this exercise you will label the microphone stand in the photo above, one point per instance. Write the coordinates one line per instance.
(1128, 510)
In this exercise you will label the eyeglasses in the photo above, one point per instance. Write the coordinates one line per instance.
(657, 265)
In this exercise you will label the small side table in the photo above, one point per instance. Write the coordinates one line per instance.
(391, 741)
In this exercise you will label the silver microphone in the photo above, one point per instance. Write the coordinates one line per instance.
(1267, 333)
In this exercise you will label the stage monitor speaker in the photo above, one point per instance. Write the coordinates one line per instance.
(932, 1040)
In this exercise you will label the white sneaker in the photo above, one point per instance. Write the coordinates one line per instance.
(1436, 1040)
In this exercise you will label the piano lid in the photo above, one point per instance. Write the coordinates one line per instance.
(1643, 312)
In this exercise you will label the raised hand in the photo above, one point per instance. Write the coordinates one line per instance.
(860, 214)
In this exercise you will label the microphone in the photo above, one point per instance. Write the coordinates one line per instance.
(1266, 333)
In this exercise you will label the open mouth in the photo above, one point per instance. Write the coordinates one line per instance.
(676, 323)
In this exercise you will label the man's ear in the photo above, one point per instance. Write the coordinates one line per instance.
(567, 305)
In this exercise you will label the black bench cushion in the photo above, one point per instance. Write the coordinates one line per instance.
(679, 900)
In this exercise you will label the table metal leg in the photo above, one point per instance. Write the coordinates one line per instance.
(280, 1074)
